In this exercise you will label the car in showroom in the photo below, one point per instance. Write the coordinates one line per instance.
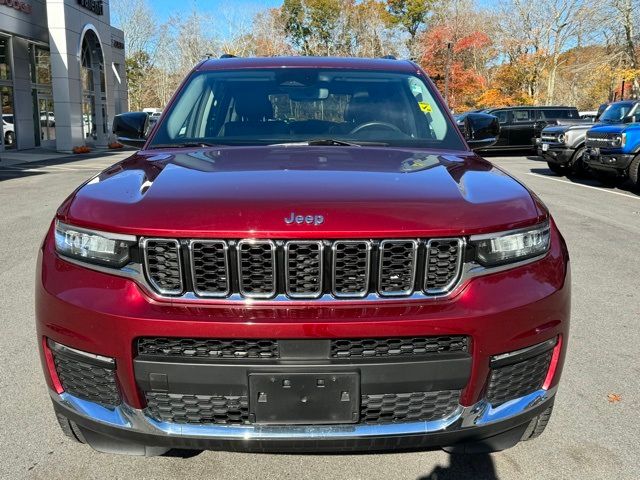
(8, 130)
(305, 255)
(613, 146)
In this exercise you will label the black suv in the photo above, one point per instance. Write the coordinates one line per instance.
(520, 125)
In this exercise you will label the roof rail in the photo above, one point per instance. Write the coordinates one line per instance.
(227, 55)
(389, 57)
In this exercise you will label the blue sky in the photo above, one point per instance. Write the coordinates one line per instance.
(164, 8)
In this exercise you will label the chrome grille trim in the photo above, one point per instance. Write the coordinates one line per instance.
(163, 291)
(287, 272)
(414, 265)
(334, 290)
(242, 280)
(458, 267)
(204, 293)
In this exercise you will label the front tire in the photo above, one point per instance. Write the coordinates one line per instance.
(537, 425)
(634, 172)
(10, 138)
(577, 166)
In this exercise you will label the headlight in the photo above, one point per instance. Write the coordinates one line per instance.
(562, 138)
(110, 249)
(513, 246)
(619, 140)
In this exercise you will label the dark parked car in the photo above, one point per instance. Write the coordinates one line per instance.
(519, 126)
(305, 255)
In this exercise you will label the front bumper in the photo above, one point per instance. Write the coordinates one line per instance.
(614, 163)
(557, 154)
(495, 428)
(503, 312)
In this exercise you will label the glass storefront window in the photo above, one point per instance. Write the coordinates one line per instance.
(86, 71)
(40, 65)
(5, 59)
(8, 122)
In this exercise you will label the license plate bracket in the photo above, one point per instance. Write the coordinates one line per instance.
(305, 398)
(545, 147)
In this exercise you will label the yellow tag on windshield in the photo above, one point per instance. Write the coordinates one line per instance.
(425, 107)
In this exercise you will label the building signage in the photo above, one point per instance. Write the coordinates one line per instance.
(18, 5)
(117, 44)
(95, 6)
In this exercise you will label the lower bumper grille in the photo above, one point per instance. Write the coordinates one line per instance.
(208, 348)
(86, 380)
(408, 407)
(198, 409)
(234, 410)
(518, 379)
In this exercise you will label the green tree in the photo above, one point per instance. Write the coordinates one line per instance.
(411, 15)
(138, 68)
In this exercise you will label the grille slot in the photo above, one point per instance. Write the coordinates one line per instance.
(443, 266)
(208, 348)
(397, 267)
(163, 265)
(210, 268)
(351, 265)
(408, 407)
(198, 409)
(397, 347)
(518, 379)
(303, 268)
(86, 380)
(256, 268)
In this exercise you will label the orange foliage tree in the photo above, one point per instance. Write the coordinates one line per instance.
(440, 48)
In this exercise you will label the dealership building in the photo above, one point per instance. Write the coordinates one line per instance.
(62, 74)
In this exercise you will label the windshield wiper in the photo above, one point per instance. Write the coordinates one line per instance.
(332, 142)
(184, 145)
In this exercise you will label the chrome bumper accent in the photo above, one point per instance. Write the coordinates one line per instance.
(135, 420)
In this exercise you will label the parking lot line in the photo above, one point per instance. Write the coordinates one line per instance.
(582, 185)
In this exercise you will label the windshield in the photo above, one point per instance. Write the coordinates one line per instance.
(617, 112)
(273, 106)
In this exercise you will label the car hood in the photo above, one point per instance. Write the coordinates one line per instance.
(238, 192)
(611, 127)
(580, 127)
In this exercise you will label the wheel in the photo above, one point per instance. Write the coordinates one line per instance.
(9, 138)
(557, 169)
(634, 172)
(70, 429)
(537, 425)
(577, 166)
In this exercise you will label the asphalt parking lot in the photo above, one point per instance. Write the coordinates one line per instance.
(594, 433)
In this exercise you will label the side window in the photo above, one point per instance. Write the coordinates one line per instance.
(521, 116)
(427, 104)
(502, 115)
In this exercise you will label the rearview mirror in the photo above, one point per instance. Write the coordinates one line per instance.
(481, 130)
(131, 128)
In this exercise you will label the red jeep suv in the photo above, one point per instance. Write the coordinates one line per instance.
(305, 255)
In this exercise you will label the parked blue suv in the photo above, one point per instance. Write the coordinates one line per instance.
(613, 146)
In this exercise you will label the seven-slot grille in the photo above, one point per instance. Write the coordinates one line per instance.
(303, 269)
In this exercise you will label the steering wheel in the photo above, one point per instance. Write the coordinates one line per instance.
(367, 125)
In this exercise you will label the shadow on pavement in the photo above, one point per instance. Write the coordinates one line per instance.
(28, 169)
(586, 179)
(461, 467)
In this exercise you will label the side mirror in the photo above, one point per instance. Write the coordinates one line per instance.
(481, 130)
(131, 128)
